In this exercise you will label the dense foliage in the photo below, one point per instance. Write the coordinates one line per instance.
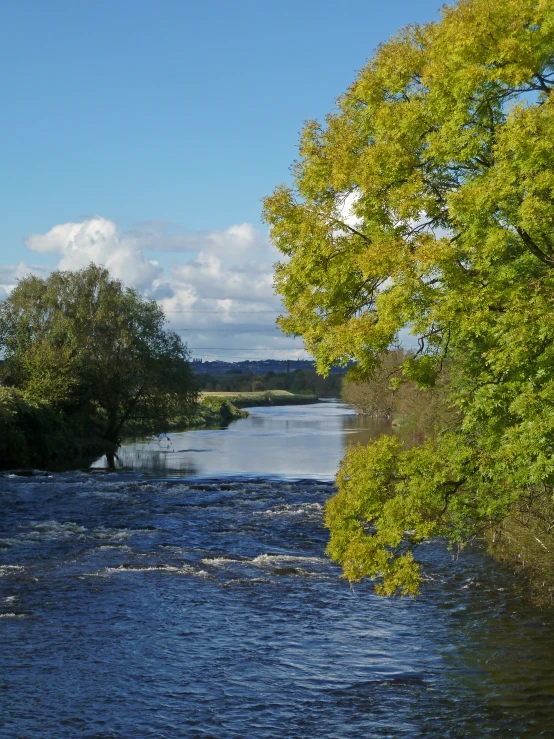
(95, 352)
(26, 426)
(426, 202)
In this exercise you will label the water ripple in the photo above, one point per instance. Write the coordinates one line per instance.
(135, 607)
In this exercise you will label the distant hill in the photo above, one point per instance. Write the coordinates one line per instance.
(257, 366)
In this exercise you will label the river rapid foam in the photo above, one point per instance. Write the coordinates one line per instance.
(134, 607)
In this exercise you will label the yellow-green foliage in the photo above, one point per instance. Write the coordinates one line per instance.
(426, 201)
(390, 500)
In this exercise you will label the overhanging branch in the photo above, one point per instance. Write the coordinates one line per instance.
(533, 248)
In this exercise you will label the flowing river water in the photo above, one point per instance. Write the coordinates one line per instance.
(188, 595)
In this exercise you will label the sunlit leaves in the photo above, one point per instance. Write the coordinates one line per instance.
(426, 202)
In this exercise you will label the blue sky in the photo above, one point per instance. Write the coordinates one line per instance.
(153, 129)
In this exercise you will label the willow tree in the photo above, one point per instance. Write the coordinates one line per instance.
(425, 202)
(92, 348)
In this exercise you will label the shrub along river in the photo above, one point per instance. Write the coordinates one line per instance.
(188, 595)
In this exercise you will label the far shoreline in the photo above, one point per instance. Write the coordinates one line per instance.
(262, 398)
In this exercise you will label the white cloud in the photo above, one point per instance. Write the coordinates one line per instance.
(236, 243)
(97, 240)
(208, 276)
(224, 303)
(216, 286)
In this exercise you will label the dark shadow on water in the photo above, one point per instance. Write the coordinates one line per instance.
(154, 462)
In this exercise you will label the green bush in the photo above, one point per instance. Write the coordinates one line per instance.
(211, 412)
(28, 426)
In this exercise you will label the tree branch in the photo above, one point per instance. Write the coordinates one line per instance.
(350, 228)
(533, 248)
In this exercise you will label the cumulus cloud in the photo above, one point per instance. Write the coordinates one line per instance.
(207, 275)
(224, 303)
(98, 240)
(237, 243)
(215, 286)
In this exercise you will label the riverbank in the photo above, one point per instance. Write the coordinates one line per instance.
(262, 398)
(33, 434)
(219, 409)
(525, 542)
(212, 412)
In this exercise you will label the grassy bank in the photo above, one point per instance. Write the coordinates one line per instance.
(212, 412)
(261, 397)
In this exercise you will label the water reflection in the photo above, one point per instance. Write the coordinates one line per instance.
(284, 441)
(504, 652)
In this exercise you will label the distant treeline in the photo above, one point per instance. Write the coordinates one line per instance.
(302, 381)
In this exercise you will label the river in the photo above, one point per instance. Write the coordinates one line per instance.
(188, 595)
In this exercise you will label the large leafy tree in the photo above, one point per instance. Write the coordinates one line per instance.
(91, 347)
(426, 202)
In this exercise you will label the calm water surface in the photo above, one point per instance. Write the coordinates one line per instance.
(149, 603)
(305, 441)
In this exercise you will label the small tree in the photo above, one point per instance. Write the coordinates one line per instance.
(93, 348)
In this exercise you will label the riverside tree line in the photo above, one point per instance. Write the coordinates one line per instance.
(86, 361)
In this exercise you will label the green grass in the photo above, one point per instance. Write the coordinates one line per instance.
(256, 394)
(261, 397)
